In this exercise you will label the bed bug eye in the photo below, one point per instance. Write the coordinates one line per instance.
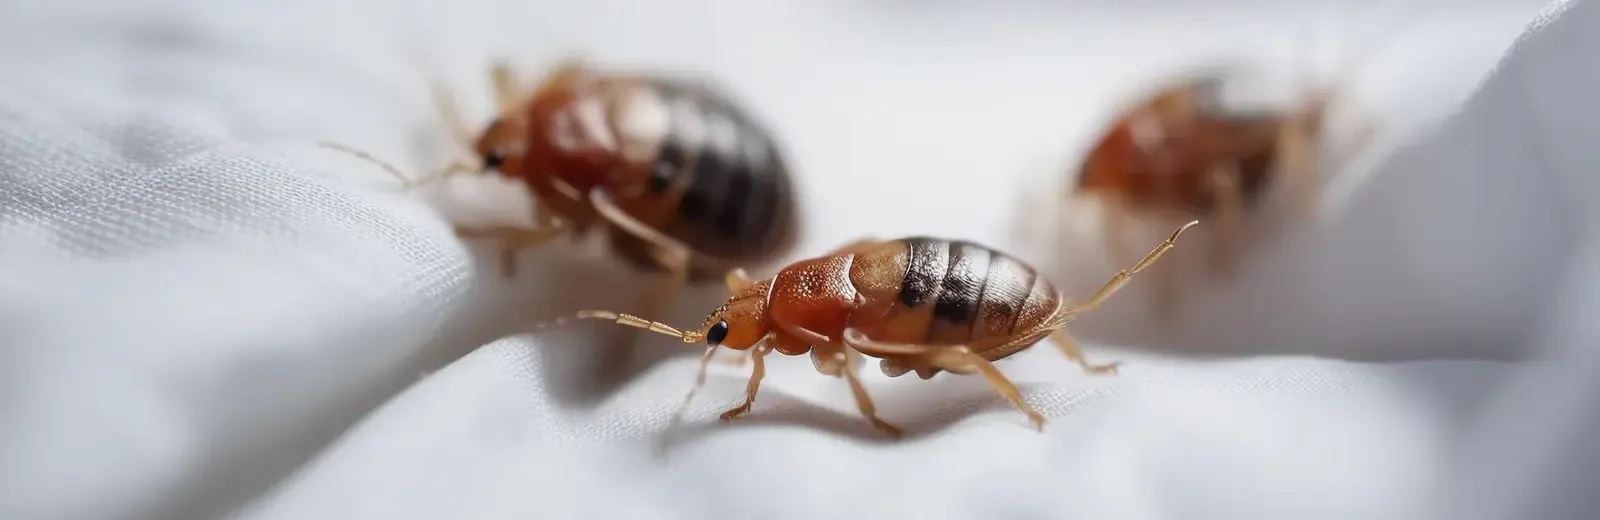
(717, 333)
(493, 159)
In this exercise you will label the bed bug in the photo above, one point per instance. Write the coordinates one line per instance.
(685, 181)
(1181, 152)
(918, 304)
(1179, 155)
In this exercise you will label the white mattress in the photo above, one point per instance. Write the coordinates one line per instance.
(203, 315)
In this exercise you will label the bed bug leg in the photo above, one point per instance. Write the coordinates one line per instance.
(962, 359)
(736, 279)
(677, 417)
(506, 92)
(834, 358)
(864, 401)
(958, 359)
(757, 373)
(738, 360)
(1069, 347)
(514, 240)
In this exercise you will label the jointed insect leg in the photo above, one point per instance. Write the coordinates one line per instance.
(444, 102)
(834, 358)
(738, 360)
(622, 221)
(1069, 347)
(864, 403)
(737, 279)
(506, 92)
(1121, 278)
(671, 254)
(757, 373)
(955, 359)
(854, 360)
(962, 359)
(1297, 162)
(516, 238)
(699, 382)
(1298, 147)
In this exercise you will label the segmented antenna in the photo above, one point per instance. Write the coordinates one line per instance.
(624, 320)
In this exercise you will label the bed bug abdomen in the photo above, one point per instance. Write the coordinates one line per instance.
(932, 291)
(735, 187)
(716, 178)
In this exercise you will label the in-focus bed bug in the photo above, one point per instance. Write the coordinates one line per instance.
(684, 180)
(918, 304)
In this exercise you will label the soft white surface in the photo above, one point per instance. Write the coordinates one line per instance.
(202, 315)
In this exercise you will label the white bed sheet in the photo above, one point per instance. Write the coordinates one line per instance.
(202, 315)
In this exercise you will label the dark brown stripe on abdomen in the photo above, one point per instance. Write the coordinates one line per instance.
(738, 186)
(929, 259)
(1010, 282)
(960, 293)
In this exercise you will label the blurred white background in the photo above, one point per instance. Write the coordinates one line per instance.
(206, 313)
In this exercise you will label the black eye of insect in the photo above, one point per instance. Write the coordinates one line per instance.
(660, 177)
(717, 333)
(493, 159)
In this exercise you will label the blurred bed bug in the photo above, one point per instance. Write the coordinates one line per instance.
(1179, 155)
(918, 304)
(685, 181)
(1182, 153)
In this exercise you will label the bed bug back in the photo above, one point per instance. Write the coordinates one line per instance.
(1180, 153)
(677, 157)
(919, 303)
(1168, 153)
(683, 179)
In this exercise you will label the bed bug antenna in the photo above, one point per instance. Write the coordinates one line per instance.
(626, 320)
(1179, 232)
(406, 183)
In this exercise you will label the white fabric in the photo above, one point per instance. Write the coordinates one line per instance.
(202, 315)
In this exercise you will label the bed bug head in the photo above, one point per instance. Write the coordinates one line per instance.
(502, 146)
(740, 322)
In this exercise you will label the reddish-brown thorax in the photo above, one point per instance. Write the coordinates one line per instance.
(553, 144)
(1161, 154)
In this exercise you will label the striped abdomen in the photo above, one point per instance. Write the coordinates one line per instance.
(931, 291)
(722, 175)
